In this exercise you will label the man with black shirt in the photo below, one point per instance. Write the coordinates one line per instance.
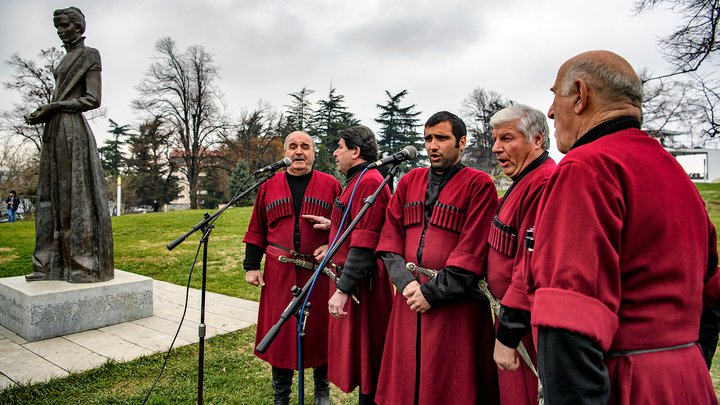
(277, 229)
(623, 277)
(357, 329)
(439, 343)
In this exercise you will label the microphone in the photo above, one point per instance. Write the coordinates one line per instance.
(407, 153)
(285, 162)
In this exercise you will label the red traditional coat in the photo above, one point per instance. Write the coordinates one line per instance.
(625, 254)
(455, 338)
(355, 343)
(517, 214)
(272, 225)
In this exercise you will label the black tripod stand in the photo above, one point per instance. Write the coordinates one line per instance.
(207, 225)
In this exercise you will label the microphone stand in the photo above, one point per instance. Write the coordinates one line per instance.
(293, 308)
(207, 225)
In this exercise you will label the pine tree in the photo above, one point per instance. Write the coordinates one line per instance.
(150, 171)
(238, 184)
(330, 117)
(111, 154)
(399, 127)
(298, 114)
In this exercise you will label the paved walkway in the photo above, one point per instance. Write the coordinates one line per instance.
(23, 361)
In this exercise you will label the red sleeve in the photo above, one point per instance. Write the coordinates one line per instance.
(575, 264)
(472, 248)
(516, 295)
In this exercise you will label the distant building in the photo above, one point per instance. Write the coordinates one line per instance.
(702, 165)
(182, 202)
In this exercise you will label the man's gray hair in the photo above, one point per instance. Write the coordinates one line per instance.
(530, 122)
(610, 84)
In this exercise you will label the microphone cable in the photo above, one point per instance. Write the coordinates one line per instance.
(312, 285)
(185, 307)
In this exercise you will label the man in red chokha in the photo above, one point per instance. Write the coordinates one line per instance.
(521, 140)
(438, 349)
(623, 278)
(277, 229)
(356, 333)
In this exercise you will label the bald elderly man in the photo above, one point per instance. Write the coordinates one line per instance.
(623, 277)
(278, 229)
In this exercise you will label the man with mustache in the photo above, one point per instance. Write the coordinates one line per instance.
(277, 229)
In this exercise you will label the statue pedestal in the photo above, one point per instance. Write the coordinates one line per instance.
(44, 309)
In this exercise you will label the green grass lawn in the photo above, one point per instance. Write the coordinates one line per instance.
(233, 375)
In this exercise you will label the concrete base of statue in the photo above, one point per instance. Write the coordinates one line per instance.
(40, 310)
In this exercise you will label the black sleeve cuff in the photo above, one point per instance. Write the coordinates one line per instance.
(359, 263)
(253, 256)
(571, 367)
(450, 283)
(514, 324)
(395, 265)
(708, 336)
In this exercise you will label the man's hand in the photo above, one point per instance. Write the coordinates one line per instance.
(505, 357)
(320, 253)
(336, 304)
(320, 222)
(415, 298)
(255, 278)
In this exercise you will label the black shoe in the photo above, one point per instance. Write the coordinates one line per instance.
(282, 384)
(322, 386)
(366, 399)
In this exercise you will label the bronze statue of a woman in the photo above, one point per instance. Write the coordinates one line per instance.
(73, 239)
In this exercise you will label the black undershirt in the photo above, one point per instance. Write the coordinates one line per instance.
(298, 186)
(450, 283)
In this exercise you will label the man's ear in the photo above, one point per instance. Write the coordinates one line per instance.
(581, 89)
(538, 139)
(356, 153)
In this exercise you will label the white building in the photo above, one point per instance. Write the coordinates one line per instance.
(702, 165)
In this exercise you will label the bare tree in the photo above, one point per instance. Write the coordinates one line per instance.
(257, 139)
(710, 109)
(35, 84)
(477, 108)
(693, 42)
(19, 167)
(180, 88)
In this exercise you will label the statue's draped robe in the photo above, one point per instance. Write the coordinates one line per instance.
(73, 228)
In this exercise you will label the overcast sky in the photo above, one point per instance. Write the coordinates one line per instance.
(437, 50)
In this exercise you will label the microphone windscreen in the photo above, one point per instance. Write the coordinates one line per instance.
(411, 151)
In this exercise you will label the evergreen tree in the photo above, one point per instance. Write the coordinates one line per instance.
(150, 171)
(298, 115)
(215, 185)
(399, 127)
(330, 117)
(238, 184)
(111, 154)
